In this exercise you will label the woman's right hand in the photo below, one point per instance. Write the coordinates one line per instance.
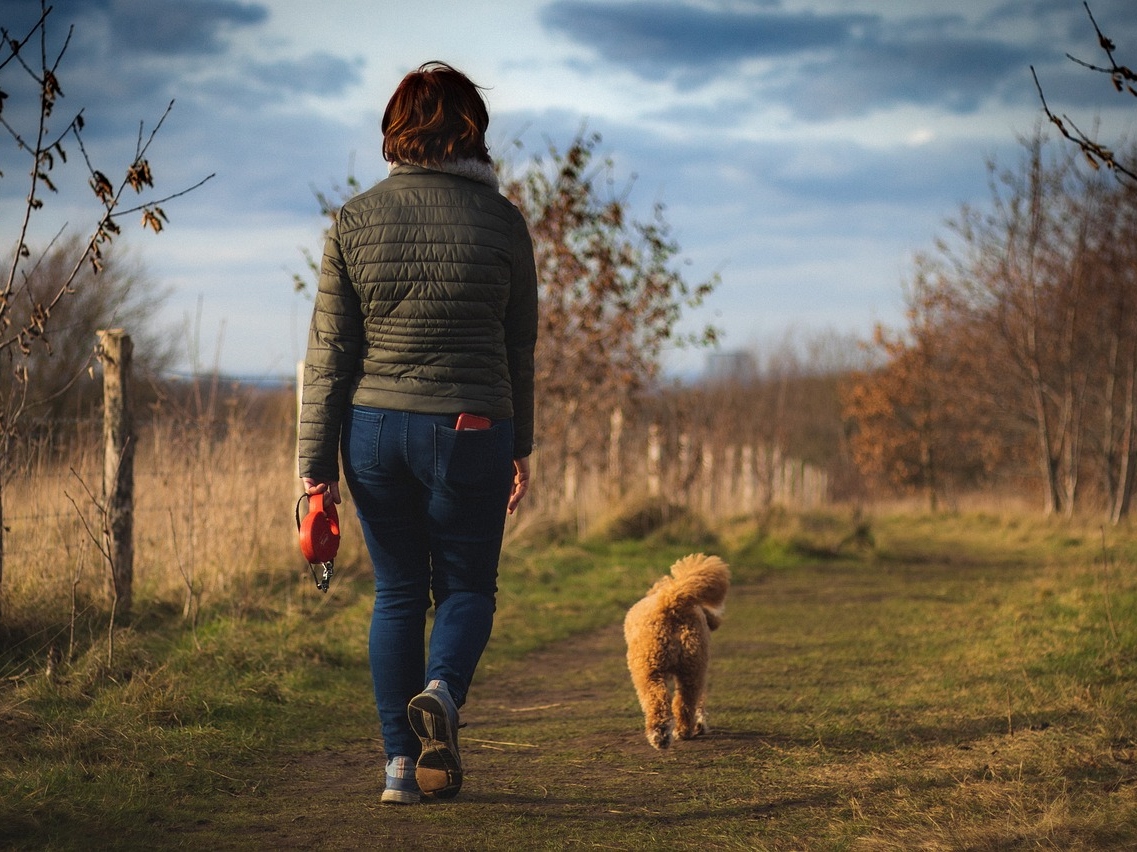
(315, 486)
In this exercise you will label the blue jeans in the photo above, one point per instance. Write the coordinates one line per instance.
(431, 501)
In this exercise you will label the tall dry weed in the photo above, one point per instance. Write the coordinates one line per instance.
(213, 515)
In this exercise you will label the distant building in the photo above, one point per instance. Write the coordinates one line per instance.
(737, 365)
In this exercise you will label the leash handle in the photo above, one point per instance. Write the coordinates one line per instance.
(319, 534)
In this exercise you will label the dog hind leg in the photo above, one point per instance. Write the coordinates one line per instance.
(688, 706)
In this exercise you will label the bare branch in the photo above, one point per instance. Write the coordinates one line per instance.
(91, 534)
(150, 204)
(17, 46)
(1096, 154)
(38, 312)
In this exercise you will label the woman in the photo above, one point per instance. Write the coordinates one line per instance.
(420, 372)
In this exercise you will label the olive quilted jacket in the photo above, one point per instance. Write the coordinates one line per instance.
(427, 302)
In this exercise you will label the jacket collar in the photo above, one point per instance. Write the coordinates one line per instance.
(470, 169)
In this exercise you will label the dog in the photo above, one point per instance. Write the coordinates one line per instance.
(668, 633)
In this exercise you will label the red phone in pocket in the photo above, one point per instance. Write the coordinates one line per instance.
(472, 421)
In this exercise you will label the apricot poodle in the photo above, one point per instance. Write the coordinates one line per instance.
(668, 633)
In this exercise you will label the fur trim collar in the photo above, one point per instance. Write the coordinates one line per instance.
(470, 169)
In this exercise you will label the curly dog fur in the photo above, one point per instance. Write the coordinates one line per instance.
(668, 633)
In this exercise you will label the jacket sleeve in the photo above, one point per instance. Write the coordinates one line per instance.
(335, 342)
(521, 337)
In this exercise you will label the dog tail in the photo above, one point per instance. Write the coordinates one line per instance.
(700, 580)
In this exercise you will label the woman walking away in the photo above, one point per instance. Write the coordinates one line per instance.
(419, 373)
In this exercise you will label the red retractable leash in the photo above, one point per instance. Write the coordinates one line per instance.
(319, 536)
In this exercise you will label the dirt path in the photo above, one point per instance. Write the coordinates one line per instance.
(555, 740)
(850, 709)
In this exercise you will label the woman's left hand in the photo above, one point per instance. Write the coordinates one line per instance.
(520, 483)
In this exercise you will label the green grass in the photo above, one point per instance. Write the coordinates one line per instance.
(952, 682)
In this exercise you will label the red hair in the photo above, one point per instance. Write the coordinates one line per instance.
(436, 114)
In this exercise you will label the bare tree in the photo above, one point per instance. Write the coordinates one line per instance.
(121, 295)
(1037, 337)
(1020, 277)
(30, 305)
(1111, 348)
(914, 425)
(611, 294)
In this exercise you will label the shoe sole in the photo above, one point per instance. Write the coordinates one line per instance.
(439, 769)
(400, 797)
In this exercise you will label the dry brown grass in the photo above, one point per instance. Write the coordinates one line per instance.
(214, 518)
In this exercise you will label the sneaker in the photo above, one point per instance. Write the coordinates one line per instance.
(434, 718)
(401, 789)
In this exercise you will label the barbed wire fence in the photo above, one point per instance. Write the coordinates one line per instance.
(208, 502)
(213, 488)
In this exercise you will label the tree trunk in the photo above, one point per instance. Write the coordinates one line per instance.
(1123, 479)
(1048, 464)
(615, 482)
(931, 486)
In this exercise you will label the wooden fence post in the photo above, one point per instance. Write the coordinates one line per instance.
(115, 351)
(746, 471)
(571, 469)
(654, 457)
(685, 473)
(615, 483)
(707, 479)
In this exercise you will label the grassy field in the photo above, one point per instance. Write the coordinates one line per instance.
(902, 682)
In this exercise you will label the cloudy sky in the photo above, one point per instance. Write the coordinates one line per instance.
(804, 149)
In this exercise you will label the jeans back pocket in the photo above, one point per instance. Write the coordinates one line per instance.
(474, 459)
